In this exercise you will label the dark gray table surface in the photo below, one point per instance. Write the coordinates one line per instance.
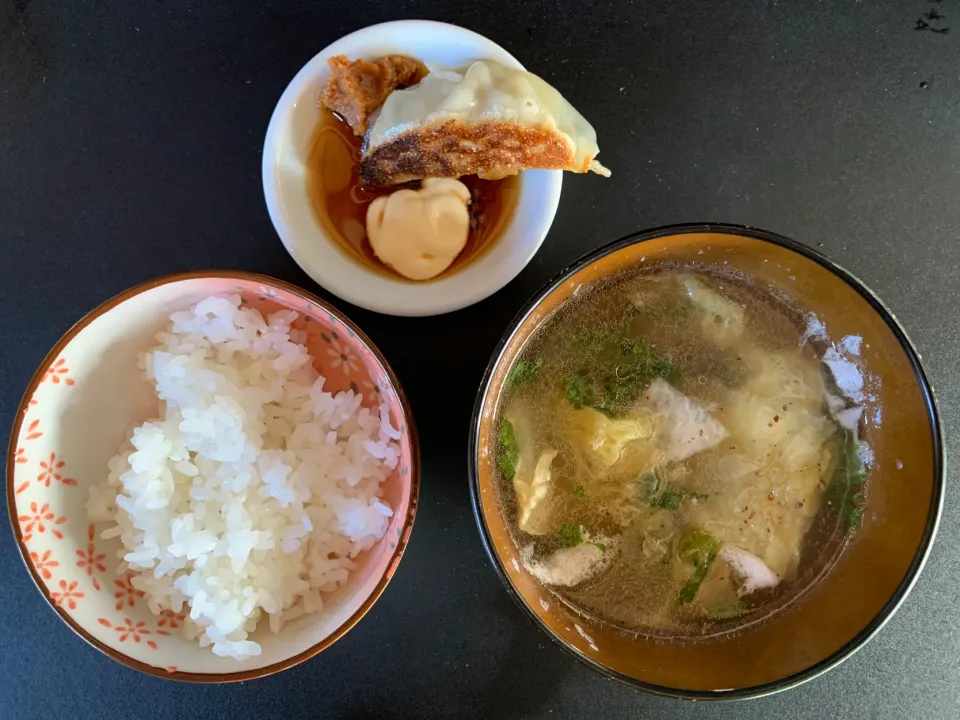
(130, 140)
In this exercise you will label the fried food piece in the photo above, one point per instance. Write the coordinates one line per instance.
(492, 150)
(492, 121)
(357, 88)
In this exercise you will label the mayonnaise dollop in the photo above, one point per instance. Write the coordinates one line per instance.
(419, 232)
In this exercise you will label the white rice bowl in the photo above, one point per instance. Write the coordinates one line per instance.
(254, 490)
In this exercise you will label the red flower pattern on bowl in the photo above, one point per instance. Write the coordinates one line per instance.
(77, 411)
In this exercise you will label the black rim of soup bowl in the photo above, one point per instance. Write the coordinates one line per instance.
(933, 416)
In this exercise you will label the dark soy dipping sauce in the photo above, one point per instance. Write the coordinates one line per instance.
(340, 200)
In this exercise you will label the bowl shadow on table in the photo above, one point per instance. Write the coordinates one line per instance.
(520, 683)
(519, 687)
(26, 53)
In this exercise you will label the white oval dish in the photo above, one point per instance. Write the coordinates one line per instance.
(287, 146)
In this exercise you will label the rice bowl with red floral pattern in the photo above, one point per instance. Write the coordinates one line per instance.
(257, 510)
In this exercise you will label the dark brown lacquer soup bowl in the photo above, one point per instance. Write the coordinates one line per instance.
(878, 561)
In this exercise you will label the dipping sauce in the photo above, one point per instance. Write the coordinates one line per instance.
(340, 201)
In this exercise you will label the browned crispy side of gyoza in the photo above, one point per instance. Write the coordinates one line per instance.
(357, 88)
(452, 148)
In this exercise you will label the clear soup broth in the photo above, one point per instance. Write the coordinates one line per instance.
(674, 458)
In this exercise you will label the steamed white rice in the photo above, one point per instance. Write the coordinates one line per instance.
(255, 489)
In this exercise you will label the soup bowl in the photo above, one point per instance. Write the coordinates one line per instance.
(77, 410)
(880, 560)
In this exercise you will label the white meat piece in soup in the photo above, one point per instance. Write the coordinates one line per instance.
(685, 427)
(750, 570)
(571, 566)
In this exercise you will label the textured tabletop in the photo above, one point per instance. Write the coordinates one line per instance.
(130, 139)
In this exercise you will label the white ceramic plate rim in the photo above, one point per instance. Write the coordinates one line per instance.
(329, 266)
